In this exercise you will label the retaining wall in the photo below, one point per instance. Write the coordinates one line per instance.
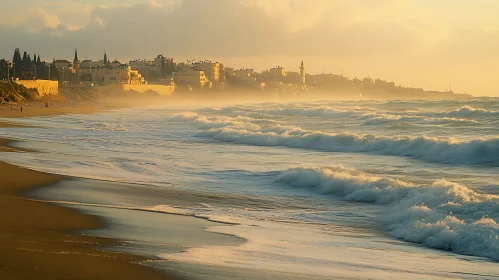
(44, 87)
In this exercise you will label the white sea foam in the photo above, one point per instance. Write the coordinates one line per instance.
(103, 126)
(371, 116)
(443, 215)
(468, 111)
(106, 127)
(322, 111)
(384, 118)
(317, 111)
(249, 131)
(203, 122)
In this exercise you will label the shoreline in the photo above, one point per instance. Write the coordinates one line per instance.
(271, 215)
(31, 110)
(41, 239)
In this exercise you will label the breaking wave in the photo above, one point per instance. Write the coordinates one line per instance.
(239, 122)
(244, 130)
(468, 111)
(321, 111)
(369, 116)
(443, 215)
(318, 111)
(383, 119)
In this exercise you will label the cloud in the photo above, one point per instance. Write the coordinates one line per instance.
(406, 35)
(297, 15)
(223, 27)
(49, 17)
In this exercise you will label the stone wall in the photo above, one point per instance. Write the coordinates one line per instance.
(44, 87)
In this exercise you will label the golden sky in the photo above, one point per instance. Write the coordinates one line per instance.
(419, 43)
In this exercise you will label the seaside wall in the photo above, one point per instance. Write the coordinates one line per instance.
(44, 87)
(160, 89)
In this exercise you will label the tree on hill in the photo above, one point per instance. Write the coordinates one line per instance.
(25, 57)
(17, 57)
(28, 61)
(24, 67)
(3, 69)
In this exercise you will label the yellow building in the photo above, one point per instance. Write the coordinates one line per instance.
(191, 77)
(278, 73)
(244, 74)
(275, 74)
(146, 66)
(118, 75)
(211, 70)
(229, 72)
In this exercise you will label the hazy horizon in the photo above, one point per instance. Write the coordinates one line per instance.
(413, 43)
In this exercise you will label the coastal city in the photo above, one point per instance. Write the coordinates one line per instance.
(164, 76)
(249, 140)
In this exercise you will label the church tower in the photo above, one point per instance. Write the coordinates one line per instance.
(76, 66)
(76, 62)
(303, 74)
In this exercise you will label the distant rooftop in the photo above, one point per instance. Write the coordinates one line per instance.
(62, 61)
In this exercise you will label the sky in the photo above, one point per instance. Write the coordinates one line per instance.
(419, 43)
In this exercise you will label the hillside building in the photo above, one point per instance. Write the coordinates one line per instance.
(193, 78)
(120, 75)
(211, 70)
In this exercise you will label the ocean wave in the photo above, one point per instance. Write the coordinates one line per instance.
(443, 215)
(383, 119)
(467, 111)
(264, 132)
(204, 122)
(369, 116)
(318, 111)
(321, 111)
(449, 151)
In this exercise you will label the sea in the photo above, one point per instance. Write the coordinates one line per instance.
(284, 190)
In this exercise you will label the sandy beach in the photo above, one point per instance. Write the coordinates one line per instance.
(37, 110)
(37, 240)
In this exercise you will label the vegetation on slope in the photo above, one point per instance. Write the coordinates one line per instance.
(13, 92)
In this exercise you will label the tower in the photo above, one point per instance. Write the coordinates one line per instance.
(76, 66)
(303, 74)
(76, 62)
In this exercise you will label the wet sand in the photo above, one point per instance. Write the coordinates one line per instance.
(38, 240)
(37, 110)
